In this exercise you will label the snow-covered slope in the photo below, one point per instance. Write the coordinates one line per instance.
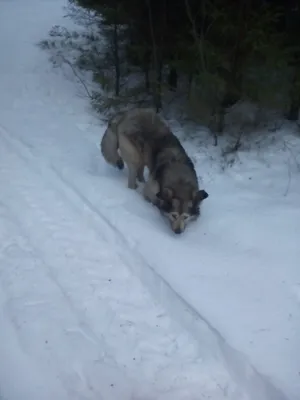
(97, 299)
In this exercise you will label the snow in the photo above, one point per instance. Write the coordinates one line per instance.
(98, 300)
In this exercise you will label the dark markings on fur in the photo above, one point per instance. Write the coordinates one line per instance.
(171, 141)
(159, 172)
(163, 143)
(167, 207)
(138, 140)
(120, 164)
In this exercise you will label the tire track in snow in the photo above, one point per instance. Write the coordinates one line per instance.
(34, 303)
(150, 348)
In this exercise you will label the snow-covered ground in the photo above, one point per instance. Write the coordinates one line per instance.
(98, 300)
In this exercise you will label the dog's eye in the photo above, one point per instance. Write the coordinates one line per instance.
(173, 215)
(186, 216)
(165, 206)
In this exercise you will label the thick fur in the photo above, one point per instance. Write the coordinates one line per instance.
(173, 179)
(129, 138)
(141, 138)
(110, 143)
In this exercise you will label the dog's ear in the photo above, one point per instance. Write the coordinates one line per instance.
(200, 195)
(165, 194)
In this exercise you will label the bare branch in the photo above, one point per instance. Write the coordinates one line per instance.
(76, 75)
(157, 93)
(198, 41)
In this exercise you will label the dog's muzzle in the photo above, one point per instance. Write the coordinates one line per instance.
(178, 231)
(178, 222)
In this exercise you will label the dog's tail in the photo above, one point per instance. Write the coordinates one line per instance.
(109, 147)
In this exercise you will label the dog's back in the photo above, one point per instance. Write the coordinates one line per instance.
(132, 134)
(142, 125)
(167, 150)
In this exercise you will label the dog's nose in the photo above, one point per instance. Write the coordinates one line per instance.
(177, 230)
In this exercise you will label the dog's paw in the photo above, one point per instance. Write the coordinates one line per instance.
(132, 186)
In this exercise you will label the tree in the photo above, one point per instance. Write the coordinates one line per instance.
(210, 53)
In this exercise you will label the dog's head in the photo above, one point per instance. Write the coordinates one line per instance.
(180, 209)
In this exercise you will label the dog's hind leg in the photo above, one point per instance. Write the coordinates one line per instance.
(133, 159)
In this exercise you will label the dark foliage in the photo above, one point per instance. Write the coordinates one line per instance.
(211, 52)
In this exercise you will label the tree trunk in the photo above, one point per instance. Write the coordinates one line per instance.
(147, 79)
(116, 59)
(293, 113)
(146, 63)
(292, 21)
(173, 79)
(157, 88)
(157, 63)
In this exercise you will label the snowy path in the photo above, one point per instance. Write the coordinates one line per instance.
(79, 315)
(75, 322)
(97, 299)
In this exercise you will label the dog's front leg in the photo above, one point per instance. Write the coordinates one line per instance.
(151, 188)
(132, 175)
(140, 174)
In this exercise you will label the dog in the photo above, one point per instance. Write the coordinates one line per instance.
(140, 138)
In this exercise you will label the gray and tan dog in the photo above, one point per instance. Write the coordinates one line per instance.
(140, 138)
